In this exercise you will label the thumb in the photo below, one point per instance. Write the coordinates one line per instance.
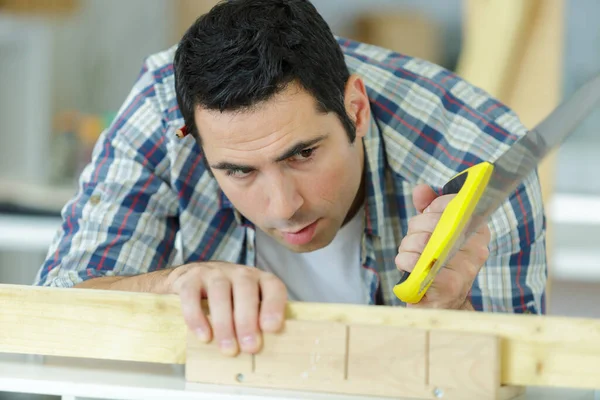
(423, 195)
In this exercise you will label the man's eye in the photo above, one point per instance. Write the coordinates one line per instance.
(305, 154)
(238, 173)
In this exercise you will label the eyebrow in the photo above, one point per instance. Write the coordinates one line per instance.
(292, 151)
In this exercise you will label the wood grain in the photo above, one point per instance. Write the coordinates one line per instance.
(467, 363)
(205, 363)
(91, 324)
(394, 357)
(304, 349)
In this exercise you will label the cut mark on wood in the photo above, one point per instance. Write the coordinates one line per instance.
(427, 357)
(347, 355)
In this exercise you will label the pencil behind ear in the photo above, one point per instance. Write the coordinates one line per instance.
(182, 132)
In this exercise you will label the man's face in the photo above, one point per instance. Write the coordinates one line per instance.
(287, 167)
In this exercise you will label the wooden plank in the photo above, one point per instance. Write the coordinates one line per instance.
(205, 362)
(305, 349)
(91, 323)
(535, 350)
(465, 366)
(315, 357)
(393, 357)
(531, 354)
(489, 56)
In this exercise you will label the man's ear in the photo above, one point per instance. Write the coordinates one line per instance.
(357, 104)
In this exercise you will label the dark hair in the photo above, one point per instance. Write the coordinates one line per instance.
(244, 52)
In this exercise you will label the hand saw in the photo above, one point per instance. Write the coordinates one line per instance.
(482, 188)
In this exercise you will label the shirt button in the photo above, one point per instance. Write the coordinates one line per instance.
(95, 199)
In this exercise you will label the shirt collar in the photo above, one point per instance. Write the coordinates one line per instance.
(374, 180)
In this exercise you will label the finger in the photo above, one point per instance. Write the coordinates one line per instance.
(448, 291)
(218, 289)
(474, 252)
(456, 287)
(422, 196)
(191, 307)
(469, 261)
(423, 223)
(245, 309)
(406, 260)
(485, 234)
(414, 242)
(439, 204)
(274, 298)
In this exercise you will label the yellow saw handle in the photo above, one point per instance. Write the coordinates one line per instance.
(468, 186)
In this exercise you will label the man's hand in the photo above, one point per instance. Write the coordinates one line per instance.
(242, 301)
(453, 283)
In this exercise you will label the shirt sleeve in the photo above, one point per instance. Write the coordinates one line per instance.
(123, 218)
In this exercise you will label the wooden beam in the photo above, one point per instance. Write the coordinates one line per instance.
(372, 360)
(91, 324)
(534, 350)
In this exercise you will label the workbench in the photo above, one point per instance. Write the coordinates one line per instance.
(75, 379)
(126, 345)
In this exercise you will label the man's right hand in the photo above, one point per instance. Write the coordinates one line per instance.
(243, 302)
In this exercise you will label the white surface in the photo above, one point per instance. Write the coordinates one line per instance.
(123, 381)
(576, 265)
(49, 198)
(574, 209)
(25, 233)
(132, 381)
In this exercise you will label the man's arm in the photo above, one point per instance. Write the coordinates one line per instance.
(153, 282)
(118, 233)
(123, 220)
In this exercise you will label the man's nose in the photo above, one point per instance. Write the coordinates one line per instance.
(284, 198)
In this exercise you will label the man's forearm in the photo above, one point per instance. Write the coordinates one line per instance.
(152, 282)
(467, 306)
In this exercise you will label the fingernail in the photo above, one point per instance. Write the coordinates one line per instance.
(248, 341)
(201, 334)
(427, 210)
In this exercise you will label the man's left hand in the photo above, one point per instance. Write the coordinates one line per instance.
(451, 287)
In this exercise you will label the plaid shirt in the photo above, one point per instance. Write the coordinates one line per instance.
(146, 190)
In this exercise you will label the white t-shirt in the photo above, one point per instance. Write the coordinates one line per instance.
(332, 274)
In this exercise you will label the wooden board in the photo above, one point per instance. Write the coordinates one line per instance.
(91, 324)
(534, 350)
(336, 358)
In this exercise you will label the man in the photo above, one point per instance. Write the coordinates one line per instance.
(310, 171)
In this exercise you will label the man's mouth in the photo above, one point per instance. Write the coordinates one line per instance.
(301, 236)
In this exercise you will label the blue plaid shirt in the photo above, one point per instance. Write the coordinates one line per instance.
(146, 190)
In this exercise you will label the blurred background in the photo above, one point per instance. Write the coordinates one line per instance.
(67, 65)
